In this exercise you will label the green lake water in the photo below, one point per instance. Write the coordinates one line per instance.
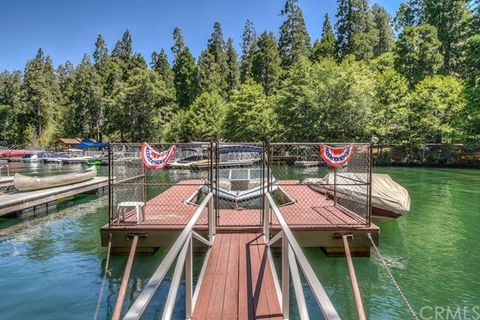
(52, 265)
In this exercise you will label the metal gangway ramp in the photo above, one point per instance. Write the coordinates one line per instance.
(238, 279)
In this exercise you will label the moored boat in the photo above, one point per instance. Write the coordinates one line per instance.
(239, 185)
(28, 183)
(389, 199)
(230, 156)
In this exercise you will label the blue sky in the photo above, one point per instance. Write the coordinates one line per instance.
(66, 29)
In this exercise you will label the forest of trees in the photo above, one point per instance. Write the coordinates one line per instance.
(410, 80)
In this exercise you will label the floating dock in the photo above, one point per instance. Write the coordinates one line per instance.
(21, 202)
(313, 217)
(5, 181)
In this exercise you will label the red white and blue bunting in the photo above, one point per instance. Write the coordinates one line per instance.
(156, 160)
(336, 157)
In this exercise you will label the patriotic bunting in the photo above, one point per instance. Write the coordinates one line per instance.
(336, 157)
(156, 160)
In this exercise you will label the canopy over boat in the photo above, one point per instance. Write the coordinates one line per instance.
(389, 199)
(27, 183)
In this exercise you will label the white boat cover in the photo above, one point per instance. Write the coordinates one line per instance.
(386, 193)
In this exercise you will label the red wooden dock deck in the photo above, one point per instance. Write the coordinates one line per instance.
(238, 282)
(310, 210)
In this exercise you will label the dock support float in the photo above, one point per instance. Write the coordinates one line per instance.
(353, 279)
(123, 287)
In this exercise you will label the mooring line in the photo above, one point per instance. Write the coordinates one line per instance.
(107, 272)
(390, 275)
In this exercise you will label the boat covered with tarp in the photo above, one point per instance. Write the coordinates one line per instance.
(389, 199)
(31, 183)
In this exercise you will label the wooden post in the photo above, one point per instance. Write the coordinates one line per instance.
(123, 287)
(353, 279)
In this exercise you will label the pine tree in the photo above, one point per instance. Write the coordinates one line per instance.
(249, 45)
(161, 65)
(123, 47)
(382, 19)
(326, 47)
(216, 47)
(450, 17)
(10, 107)
(101, 50)
(209, 73)
(233, 73)
(184, 71)
(356, 32)
(84, 115)
(294, 40)
(409, 14)
(178, 41)
(417, 53)
(267, 63)
(40, 98)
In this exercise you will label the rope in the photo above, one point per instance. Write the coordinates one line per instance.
(390, 275)
(107, 273)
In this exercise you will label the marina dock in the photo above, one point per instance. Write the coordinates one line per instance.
(240, 224)
(21, 202)
(313, 217)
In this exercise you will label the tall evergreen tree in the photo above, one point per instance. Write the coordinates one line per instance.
(216, 47)
(409, 14)
(41, 98)
(267, 63)
(356, 32)
(294, 39)
(178, 41)
(10, 107)
(385, 40)
(161, 65)
(139, 104)
(184, 71)
(210, 78)
(233, 72)
(123, 47)
(450, 17)
(249, 44)
(326, 47)
(417, 53)
(101, 50)
(84, 116)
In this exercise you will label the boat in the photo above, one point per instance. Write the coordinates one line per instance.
(30, 159)
(389, 199)
(75, 156)
(239, 185)
(100, 160)
(229, 156)
(28, 183)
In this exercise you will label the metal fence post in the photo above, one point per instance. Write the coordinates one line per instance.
(211, 220)
(189, 281)
(370, 168)
(285, 278)
(110, 193)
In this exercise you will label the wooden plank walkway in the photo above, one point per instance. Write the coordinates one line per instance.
(238, 282)
(19, 201)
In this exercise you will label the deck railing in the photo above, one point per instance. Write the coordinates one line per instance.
(292, 257)
(182, 251)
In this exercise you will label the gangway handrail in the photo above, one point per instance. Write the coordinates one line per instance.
(289, 263)
(182, 251)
